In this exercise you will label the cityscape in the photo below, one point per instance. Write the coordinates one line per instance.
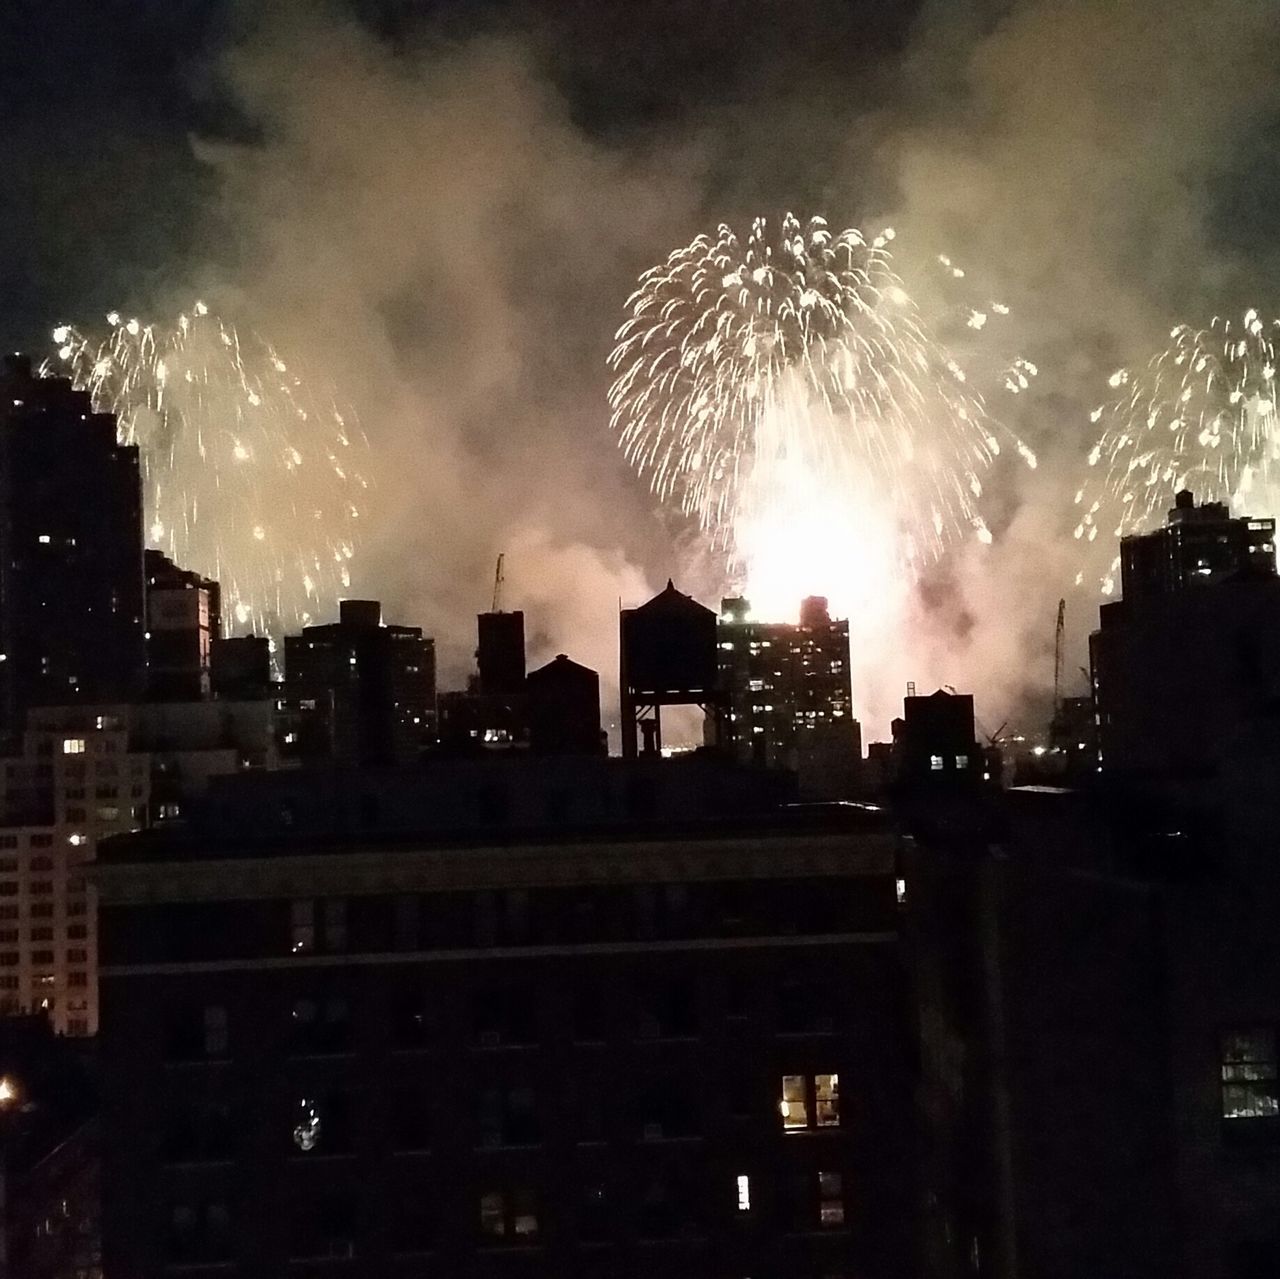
(756, 760)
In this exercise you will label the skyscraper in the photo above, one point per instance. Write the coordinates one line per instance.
(790, 704)
(71, 597)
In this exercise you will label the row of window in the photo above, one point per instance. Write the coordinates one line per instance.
(44, 932)
(40, 887)
(35, 841)
(517, 916)
(42, 910)
(201, 1129)
(661, 1207)
(507, 1017)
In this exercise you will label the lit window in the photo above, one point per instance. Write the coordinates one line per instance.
(935, 763)
(73, 745)
(962, 762)
(810, 1101)
(44, 539)
(830, 1199)
(901, 887)
(1250, 1083)
(794, 1106)
(744, 1192)
(826, 1089)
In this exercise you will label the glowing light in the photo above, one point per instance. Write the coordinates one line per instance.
(786, 391)
(1202, 416)
(8, 1091)
(223, 425)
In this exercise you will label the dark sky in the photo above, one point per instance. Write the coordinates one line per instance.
(99, 101)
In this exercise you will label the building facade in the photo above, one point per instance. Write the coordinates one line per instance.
(184, 621)
(652, 1054)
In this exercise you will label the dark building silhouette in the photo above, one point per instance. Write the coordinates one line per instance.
(184, 621)
(358, 691)
(71, 595)
(668, 658)
(240, 667)
(50, 1212)
(337, 1035)
(788, 695)
(564, 709)
(500, 653)
(936, 744)
(1187, 658)
(1199, 545)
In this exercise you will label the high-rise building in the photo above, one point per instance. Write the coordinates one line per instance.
(184, 620)
(935, 741)
(71, 592)
(789, 699)
(1187, 657)
(500, 653)
(358, 691)
(1199, 545)
(240, 667)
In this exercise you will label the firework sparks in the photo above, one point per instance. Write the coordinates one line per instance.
(249, 475)
(1201, 415)
(786, 391)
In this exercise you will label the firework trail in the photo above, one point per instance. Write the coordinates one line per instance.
(1201, 415)
(786, 391)
(249, 476)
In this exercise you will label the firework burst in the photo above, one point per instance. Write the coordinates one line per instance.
(786, 390)
(249, 475)
(1201, 415)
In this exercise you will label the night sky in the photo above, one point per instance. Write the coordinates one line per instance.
(444, 206)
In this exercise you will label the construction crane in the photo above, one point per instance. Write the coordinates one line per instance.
(1058, 632)
(498, 579)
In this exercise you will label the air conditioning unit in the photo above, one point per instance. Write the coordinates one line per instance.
(490, 1039)
(652, 1132)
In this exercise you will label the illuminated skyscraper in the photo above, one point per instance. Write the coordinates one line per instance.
(789, 698)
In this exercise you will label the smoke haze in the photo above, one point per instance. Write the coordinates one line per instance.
(447, 222)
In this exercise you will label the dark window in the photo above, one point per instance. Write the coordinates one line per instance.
(504, 1016)
(410, 1118)
(593, 1213)
(199, 1233)
(410, 1020)
(319, 1026)
(588, 1014)
(324, 1225)
(667, 1209)
(668, 1010)
(508, 1117)
(412, 1223)
(408, 923)
(193, 1032)
(804, 1009)
(665, 1110)
(198, 1131)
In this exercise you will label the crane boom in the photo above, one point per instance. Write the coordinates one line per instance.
(498, 579)
(1058, 630)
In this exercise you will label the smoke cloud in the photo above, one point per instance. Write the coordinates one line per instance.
(445, 229)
